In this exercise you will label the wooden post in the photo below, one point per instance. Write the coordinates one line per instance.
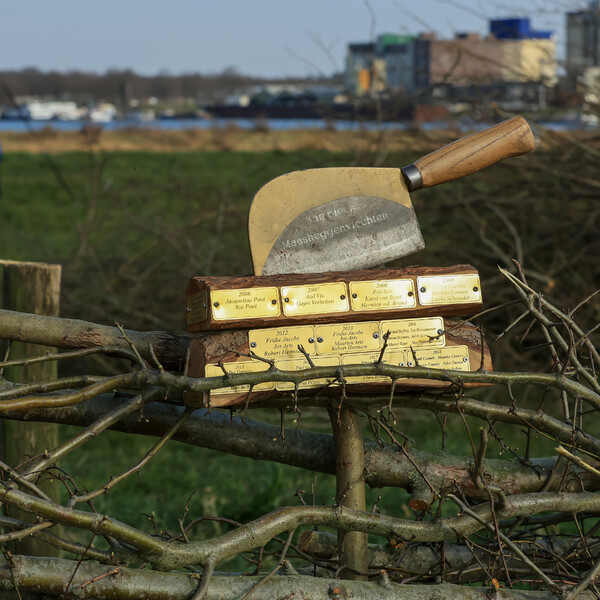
(31, 288)
(350, 484)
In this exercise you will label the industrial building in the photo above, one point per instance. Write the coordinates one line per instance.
(583, 47)
(512, 53)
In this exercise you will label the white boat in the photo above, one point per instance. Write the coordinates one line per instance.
(102, 113)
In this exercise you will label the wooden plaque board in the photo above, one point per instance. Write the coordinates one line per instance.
(458, 347)
(221, 303)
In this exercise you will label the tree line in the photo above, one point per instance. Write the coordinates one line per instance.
(119, 86)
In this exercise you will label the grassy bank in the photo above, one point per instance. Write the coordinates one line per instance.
(130, 229)
(228, 138)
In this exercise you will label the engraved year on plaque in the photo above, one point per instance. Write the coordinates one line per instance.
(318, 298)
(245, 366)
(407, 333)
(298, 364)
(382, 295)
(246, 303)
(341, 338)
(282, 341)
(449, 289)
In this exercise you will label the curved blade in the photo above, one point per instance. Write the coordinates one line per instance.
(292, 195)
(344, 234)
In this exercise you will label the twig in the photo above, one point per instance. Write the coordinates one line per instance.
(551, 584)
(478, 479)
(99, 578)
(25, 531)
(386, 337)
(577, 460)
(529, 295)
(209, 567)
(181, 521)
(275, 570)
(585, 582)
(140, 360)
(306, 355)
(60, 543)
(51, 356)
(80, 560)
(97, 386)
(23, 482)
(511, 325)
(93, 430)
(11, 566)
(155, 360)
(135, 468)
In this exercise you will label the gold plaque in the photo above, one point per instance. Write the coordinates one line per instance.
(247, 303)
(298, 364)
(449, 289)
(382, 295)
(341, 338)
(455, 358)
(241, 366)
(406, 333)
(282, 341)
(196, 309)
(314, 299)
(394, 357)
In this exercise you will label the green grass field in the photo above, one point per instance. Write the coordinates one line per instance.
(130, 229)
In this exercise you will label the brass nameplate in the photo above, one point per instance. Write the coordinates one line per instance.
(196, 309)
(314, 299)
(245, 366)
(341, 338)
(299, 364)
(284, 341)
(407, 333)
(455, 358)
(395, 357)
(382, 295)
(247, 303)
(449, 289)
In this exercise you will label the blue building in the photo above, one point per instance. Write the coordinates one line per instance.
(517, 29)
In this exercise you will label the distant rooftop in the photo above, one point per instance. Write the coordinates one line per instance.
(593, 7)
(516, 29)
(392, 39)
(362, 47)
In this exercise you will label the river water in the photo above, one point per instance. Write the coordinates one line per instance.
(274, 124)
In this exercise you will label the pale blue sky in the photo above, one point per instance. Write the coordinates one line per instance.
(270, 38)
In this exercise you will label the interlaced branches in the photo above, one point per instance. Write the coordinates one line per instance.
(471, 518)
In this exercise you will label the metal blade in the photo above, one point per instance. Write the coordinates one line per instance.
(345, 234)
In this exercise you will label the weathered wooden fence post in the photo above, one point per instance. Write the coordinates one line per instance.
(32, 288)
(350, 486)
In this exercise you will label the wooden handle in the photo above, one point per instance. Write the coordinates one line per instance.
(475, 152)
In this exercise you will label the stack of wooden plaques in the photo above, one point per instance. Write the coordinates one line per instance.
(338, 319)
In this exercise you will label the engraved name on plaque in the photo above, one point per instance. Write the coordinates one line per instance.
(282, 341)
(340, 338)
(228, 305)
(449, 289)
(455, 358)
(315, 299)
(382, 295)
(408, 333)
